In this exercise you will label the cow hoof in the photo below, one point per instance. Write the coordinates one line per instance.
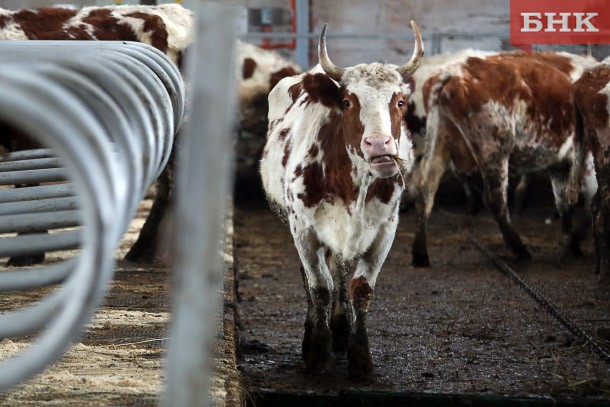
(25, 261)
(318, 362)
(306, 344)
(523, 255)
(576, 251)
(144, 256)
(360, 364)
(360, 369)
(570, 250)
(420, 260)
(317, 350)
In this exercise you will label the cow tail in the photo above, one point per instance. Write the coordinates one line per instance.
(432, 122)
(578, 164)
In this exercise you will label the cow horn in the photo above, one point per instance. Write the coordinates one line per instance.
(329, 68)
(410, 67)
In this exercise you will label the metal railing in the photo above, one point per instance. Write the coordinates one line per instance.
(106, 114)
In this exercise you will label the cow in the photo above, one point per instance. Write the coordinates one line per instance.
(333, 167)
(169, 28)
(260, 71)
(415, 115)
(592, 108)
(502, 114)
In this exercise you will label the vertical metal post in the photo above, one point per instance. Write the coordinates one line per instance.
(202, 193)
(436, 43)
(302, 40)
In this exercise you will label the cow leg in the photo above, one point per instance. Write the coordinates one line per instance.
(28, 259)
(600, 209)
(473, 199)
(520, 195)
(317, 339)
(559, 180)
(144, 250)
(309, 320)
(495, 182)
(431, 172)
(342, 314)
(361, 289)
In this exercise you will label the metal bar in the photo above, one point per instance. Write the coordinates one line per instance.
(27, 155)
(36, 222)
(37, 105)
(39, 205)
(35, 50)
(23, 245)
(202, 188)
(30, 164)
(33, 176)
(36, 192)
(26, 319)
(302, 41)
(372, 36)
(28, 279)
(436, 44)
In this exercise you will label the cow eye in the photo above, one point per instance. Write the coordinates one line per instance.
(346, 103)
(400, 103)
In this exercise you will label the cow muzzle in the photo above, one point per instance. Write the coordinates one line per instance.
(380, 152)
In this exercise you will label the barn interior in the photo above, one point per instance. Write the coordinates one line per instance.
(478, 327)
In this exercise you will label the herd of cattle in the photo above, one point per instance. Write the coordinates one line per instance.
(339, 157)
(344, 145)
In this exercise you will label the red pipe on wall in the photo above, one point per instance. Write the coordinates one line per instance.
(266, 42)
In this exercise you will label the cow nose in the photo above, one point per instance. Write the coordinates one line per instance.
(376, 145)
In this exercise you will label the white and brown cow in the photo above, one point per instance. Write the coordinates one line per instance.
(415, 114)
(166, 27)
(333, 166)
(592, 102)
(500, 114)
(169, 28)
(260, 70)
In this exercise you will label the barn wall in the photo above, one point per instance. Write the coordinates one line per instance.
(393, 16)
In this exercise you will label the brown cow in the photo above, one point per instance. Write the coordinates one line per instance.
(415, 114)
(592, 102)
(498, 114)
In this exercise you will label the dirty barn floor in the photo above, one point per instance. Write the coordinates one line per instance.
(460, 327)
(119, 360)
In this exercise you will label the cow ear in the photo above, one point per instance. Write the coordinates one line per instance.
(322, 89)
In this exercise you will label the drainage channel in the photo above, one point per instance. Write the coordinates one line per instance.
(389, 399)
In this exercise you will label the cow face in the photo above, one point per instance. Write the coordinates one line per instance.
(372, 103)
(373, 100)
